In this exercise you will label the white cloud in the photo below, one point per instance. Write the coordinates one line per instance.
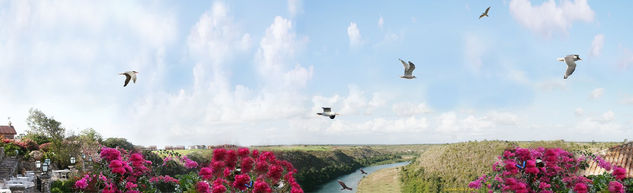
(597, 44)
(295, 7)
(354, 35)
(549, 18)
(579, 112)
(552, 84)
(409, 109)
(215, 102)
(596, 93)
(601, 124)
(381, 22)
(64, 56)
(626, 58)
(474, 49)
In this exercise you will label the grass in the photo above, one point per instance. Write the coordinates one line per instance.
(382, 181)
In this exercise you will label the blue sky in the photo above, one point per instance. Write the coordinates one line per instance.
(256, 72)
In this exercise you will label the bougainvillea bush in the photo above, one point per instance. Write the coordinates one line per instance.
(544, 170)
(229, 171)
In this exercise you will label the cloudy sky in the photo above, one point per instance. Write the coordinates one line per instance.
(256, 72)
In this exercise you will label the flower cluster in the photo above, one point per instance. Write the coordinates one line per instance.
(545, 171)
(242, 170)
(229, 171)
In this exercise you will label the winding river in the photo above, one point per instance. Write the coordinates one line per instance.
(353, 179)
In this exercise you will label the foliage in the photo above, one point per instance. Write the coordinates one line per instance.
(548, 170)
(230, 171)
(40, 124)
(62, 186)
(451, 167)
(118, 142)
(39, 138)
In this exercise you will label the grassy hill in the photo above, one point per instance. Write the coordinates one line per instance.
(448, 167)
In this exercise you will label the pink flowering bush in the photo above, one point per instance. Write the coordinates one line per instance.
(549, 170)
(229, 171)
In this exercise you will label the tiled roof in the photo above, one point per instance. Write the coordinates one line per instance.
(621, 155)
(7, 130)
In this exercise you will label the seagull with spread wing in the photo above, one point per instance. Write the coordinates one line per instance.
(485, 13)
(327, 111)
(408, 69)
(344, 187)
(570, 60)
(129, 75)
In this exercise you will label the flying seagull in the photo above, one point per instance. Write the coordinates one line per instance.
(408, 69)
(571, 64)
(362, 171)
(485, 13)
(327, 111)
(129, 75)
(344, 186)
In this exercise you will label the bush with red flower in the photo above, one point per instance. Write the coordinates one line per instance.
(229, 171)
(549, 170)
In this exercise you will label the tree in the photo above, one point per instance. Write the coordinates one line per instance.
(42, 124)
(120, 142)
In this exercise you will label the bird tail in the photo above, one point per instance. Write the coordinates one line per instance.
(349, 188)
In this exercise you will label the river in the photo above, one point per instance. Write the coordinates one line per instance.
(353, 179)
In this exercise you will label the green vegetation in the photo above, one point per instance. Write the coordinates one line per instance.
(443, 168)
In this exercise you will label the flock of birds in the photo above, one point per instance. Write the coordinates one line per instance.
(570, 60)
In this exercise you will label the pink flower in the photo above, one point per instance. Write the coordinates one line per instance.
(261, 166)
(117, 167)
(616, 187)
(530, 167)
(241, 181)
(206, 173)
(247, 164)
(510, 167)
(230, 159)
(475, 184)
(296, 188)
(81, 184)
(275, 172)
(603, 164)
(130, 185)
(261, 187)
(218, 187)
(523, 154)
(190, 163)
(242, 152)
(227, 172)
(217, 167)
(580, 188)
(544, 185)
(255, 153)
(110, 154)
(203, 187)
(218, 154)
(619, 173)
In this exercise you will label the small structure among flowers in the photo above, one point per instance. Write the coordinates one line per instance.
(621, 155)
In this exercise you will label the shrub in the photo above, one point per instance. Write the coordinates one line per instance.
(548, 170)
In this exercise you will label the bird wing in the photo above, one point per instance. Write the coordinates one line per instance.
(406, 65)
(342, 184)
(570, 70)
(134, 78)
(327, 109)
(127, 79)
(486, 12)
(411, 68)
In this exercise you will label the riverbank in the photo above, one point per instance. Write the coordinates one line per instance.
(385, 180)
